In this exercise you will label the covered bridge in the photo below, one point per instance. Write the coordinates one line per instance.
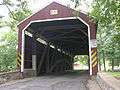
(49, 39)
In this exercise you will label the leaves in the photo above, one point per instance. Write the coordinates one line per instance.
(76, 2)
(8, 41)
(81, 59)
(8, 51)
(106, 12)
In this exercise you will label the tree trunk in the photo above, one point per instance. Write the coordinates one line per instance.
(104, 61)
(113, 58)
(99, 65)
(112, 64)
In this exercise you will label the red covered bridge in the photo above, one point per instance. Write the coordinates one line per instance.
(49, 39)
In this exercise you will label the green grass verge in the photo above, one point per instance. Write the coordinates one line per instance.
(114, 74)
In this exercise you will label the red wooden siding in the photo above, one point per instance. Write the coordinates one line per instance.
(63, 12)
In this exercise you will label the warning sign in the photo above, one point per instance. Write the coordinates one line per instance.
(93, 43)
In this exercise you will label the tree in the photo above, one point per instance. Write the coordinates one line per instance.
(18, 14)
(8, 51)
(106, 13)
(81, 59)
(8, 42)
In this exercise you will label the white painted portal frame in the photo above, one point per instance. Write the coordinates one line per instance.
(45, 20)
(23, 50)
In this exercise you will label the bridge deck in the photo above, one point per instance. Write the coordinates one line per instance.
(67, 81)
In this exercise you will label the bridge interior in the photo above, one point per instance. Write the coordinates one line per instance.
(55, 43)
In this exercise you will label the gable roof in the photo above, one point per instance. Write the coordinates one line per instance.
(63, 12)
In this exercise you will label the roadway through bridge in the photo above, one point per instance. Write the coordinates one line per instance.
(67, 81)
(48, 42)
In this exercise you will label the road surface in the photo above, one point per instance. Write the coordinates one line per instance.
(55, 82)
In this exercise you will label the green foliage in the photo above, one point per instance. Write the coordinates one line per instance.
(8, 51)
(114, 74)
(107, 14)
(8, 41)
(2, 24)
(81, 59)
(18, 14)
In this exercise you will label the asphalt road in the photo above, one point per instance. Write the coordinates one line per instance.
(54, 82)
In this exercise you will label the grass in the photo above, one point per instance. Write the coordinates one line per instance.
(115, 74)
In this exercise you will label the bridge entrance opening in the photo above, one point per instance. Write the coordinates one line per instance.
(81, 62)
(49, 40)
(52, 45)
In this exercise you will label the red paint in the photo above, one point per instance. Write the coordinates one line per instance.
(63, 12)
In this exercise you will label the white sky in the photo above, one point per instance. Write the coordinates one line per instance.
(36, 5)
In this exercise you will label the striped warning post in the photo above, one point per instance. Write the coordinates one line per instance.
(18, 60)
(94, 58)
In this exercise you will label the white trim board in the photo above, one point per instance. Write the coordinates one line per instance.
(45, 20)
(89, 43)
(23, 49)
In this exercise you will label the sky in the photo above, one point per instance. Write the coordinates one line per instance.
(36, 5)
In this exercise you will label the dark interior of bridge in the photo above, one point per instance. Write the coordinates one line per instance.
(55, 43)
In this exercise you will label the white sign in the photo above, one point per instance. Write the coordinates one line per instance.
(53, 12)
(93, 43)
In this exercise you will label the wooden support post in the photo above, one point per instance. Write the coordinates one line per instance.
(34, 56)
(65, 62)
(42, 59)
(59, 65)
(53, 54)
(61, 56)
(48, 59)
(64, 67)
(53, 58)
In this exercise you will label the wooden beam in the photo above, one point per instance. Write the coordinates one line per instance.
(48, 59)
(60, 27)
(42, 59)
